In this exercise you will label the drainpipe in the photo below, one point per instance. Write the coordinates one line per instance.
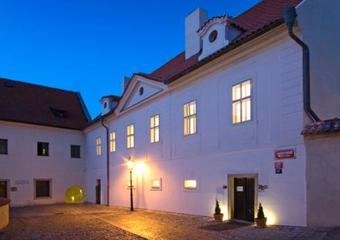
(290, 19)
(107, 163)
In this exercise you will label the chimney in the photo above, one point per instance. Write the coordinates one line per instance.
(193, 22)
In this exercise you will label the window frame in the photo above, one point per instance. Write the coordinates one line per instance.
(72, 148)
(112, 141)
(42, 146)
(130, 136)
(5, 142)
(154, 128)
(186, 188)
(240, 101)
(187, 118)
(99, 149)
(49, 188)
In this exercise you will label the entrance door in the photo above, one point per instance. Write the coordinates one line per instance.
(3, 189)
(244, 198)
(98, 191)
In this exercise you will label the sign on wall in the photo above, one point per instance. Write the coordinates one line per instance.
(285, 154)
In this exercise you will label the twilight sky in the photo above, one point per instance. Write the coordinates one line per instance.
(89, 45)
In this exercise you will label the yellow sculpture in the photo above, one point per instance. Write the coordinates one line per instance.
(74, 194)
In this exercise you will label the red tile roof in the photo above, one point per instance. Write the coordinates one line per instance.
(257, 20)
(322, 127)
(34, 104)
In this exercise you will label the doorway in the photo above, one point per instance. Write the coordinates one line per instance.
(242, 197)
(98, 192)
(3, 189)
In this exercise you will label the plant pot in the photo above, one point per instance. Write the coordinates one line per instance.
(261, 222)
(218, 217)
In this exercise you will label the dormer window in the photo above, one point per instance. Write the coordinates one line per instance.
(217, 33)
(105, 105)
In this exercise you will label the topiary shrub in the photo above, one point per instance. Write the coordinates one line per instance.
(217, 208)
(260, 213)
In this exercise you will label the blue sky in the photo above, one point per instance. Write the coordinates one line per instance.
(90, 45)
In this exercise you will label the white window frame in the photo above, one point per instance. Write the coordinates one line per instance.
(190, 118)
(98, 146)
(112, 141)
(239, 116)
(190, 180)
(130, 136)
(154, 128)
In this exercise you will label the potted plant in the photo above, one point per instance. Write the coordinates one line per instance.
(261, 220)
(218, 215)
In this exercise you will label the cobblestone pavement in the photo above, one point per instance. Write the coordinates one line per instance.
(99, 222)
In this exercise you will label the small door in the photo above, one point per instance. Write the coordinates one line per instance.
(244, 198)
(98, 191)
(3, 189)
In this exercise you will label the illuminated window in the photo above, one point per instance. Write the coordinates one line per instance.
(99, 146)
(112, 142)
(190, 184)
(130, 136)
(189, 111)
(241, 97)
(42, 149)
(154, 129)
(156, 184)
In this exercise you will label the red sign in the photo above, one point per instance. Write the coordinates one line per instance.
(285, 153)
(278, 165)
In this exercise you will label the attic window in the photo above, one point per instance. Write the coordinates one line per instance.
(59, 113)
(105, 104)
(213, 36)
(141, 91)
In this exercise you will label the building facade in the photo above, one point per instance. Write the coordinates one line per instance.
(220, 121)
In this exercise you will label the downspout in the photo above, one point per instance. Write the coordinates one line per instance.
(290, 19)
(107, 162)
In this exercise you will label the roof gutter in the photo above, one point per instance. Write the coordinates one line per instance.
(107, 162)
(290, 19)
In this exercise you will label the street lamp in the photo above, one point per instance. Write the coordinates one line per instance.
(130, 165)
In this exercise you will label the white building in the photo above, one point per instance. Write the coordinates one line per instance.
(222, 120)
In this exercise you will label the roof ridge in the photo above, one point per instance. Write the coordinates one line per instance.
(38, 85)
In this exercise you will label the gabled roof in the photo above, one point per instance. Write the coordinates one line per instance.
(257, 20)
(34, 104)
(322, 127)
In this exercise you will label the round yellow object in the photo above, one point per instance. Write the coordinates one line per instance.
(74, 194)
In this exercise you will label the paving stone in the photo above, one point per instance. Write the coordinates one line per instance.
(99, 222)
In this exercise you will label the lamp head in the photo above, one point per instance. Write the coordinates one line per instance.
(130, 164)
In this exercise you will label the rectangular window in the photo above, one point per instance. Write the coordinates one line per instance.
(241, 98)
(112, 141)
(99, 146)
(130, 136)
(154, 129)
(75, 151)
(43, 149)
(189, 111)
(42, 188)
(3, 146)
(156, 184)
(190, 184)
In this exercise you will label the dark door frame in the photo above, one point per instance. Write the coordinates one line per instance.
(7, 187)
(231, 186)
(98, 190)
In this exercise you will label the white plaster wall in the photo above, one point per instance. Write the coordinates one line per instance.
(22, 165)
(219, 148)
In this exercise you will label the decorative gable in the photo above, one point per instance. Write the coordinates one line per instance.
(139, 90)
(217, 33)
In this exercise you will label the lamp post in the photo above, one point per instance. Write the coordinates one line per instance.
(130, 165)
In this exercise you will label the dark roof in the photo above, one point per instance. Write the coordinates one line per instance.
(34, 104)
(259, 19)
(322, 127)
